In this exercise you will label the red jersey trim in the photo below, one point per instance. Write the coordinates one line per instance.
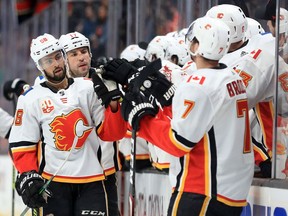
(265, 115)
(24, 149)
(177, 143)
(161, 165)
(139, 157)
(68, 179)
(109, 171)
(231, 202)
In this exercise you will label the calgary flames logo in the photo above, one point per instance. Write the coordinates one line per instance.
(66, 127)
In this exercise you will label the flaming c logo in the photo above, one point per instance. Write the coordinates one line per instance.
(66, 127)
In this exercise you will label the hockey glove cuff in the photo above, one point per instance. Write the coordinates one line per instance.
(134, 107)
(13, 87)
(28, 186)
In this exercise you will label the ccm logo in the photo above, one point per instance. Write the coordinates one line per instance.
(92, 212)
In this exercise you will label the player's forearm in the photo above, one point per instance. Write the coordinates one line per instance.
(156, 131)
(24, 156)
(113, 127)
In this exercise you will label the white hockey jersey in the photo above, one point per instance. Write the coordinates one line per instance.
(6, 124)
(173, 72)
(56, 118)
(210, 134)
(110, 160)
(142, 151)
(256, 67)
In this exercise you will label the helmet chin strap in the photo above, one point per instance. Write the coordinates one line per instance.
(194, 54)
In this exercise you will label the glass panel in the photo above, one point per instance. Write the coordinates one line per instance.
(281, 36)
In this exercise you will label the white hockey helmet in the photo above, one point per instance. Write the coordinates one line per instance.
(42, 46)
(172, 34)
(213, 36)
(132, 52)
(233, 16)
(253, 28)
(74, 40)
(177, 47)
(157, 48)
(183, 32)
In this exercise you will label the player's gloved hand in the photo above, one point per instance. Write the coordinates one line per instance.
(119, 70)
(138, 63)
(28, 186)
(159, 87)
(135, 106)
(13, 87)
(265, 168)
(102, 60)
(106, 90)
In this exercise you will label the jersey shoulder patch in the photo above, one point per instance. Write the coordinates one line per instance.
(196, 79)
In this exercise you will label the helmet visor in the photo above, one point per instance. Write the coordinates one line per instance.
(189, 38)
(48, 61)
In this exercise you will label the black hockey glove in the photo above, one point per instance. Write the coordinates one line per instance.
(102, 60)
(265, 168)
(159, 87)
(13, 87)
(119, 70)
(106, 90)
(138, 63)
(135, 106)
(28, 186)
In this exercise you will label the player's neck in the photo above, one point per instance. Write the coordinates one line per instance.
(235, 46)
(57, 86)
(205, 63)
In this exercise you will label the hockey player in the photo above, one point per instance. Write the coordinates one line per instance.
(62, 112)
(132, 52)
(212, 156)
(77, 49)
(173, 53)
(142, 155)
(253, 28)
(256, 67)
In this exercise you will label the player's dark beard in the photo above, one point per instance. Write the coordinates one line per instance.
(56, 78)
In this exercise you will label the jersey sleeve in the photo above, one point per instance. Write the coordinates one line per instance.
(6, 124)
(113, 127)
(258, 73)
(157, 132)
(24, 137)
(261, 152)
(192, 112)
(188, 125)
(110, 126)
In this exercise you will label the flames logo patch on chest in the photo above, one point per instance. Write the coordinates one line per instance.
(67, 126)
